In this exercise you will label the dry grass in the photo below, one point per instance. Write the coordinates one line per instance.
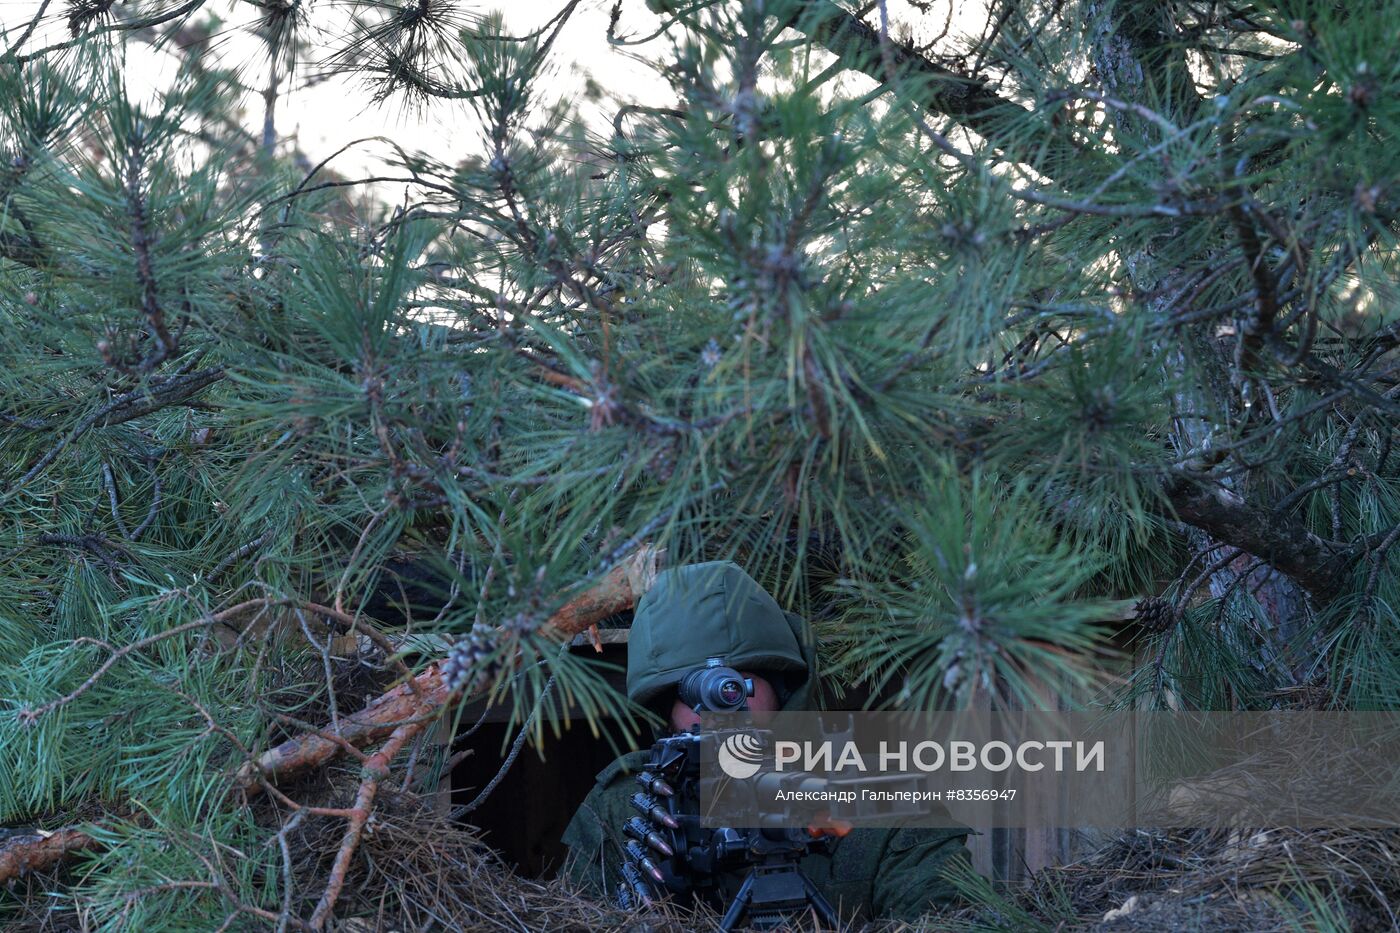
(418, 871)
(1217, 881)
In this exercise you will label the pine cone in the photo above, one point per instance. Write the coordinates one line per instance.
(469, 662)
(1154, 614)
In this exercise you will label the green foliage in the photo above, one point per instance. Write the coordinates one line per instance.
(1310, 909)
(943, 350)
(984, 602)
(1211, 657)
(1047, 908)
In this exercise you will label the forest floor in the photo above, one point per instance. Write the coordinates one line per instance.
(421, 872)
(1218, 881)
(418, 870)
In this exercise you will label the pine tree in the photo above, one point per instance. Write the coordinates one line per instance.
(961, 345)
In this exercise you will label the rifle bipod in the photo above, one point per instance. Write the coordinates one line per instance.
(774, 894)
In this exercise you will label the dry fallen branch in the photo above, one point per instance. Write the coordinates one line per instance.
(403, 711)
(23, 854)
(425, 695)
(375, 771)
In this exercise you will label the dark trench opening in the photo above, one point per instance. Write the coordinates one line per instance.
(524, 818)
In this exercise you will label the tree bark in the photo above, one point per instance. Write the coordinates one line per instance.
(1285, 544)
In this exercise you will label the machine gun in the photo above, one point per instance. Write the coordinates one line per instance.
(669, 852)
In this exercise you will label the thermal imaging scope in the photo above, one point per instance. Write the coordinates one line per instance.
(715, 688)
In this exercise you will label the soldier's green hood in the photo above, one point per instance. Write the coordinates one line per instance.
(715, 610)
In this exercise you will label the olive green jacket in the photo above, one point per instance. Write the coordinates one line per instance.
(716, 610)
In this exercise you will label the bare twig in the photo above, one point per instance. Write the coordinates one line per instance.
(375, 771)
(284, 917)
(111, 486)
(425, 696)
(156, 489)
(237, 555)
(161, 393)
(325, 651)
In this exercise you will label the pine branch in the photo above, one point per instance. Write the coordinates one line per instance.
(398, 715)
(142, 245)
(857, 45)
(80, 39)
(969, 100)
(161, 393)
(40, 850)
(423, 697)
(25, 252)
(1285, 543)
(100, 547)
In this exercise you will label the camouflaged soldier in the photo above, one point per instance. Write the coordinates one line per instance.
(710, 610)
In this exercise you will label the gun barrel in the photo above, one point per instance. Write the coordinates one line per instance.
(769, 784)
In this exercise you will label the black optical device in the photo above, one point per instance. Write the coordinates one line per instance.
(753, 874)
(715, 688)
